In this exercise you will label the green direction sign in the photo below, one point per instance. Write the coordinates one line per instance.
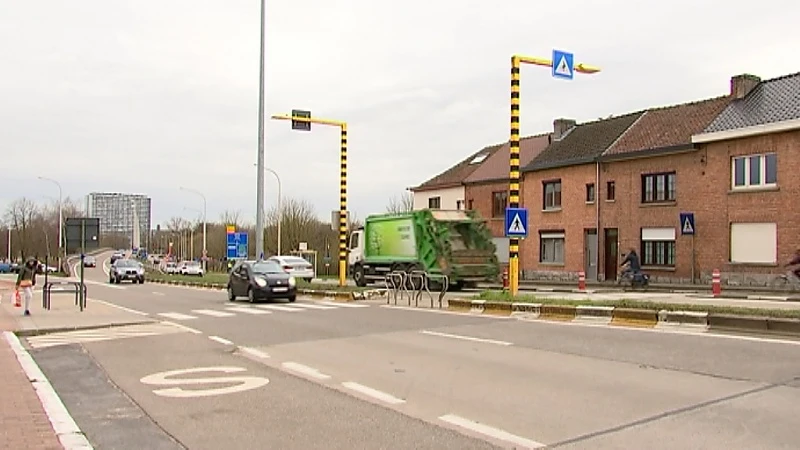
(301, 125)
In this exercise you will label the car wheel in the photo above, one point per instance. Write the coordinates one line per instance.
(231, 296)
(251, 296)
(292, 299)
(141, 281)
(119, 280)
(111, 280)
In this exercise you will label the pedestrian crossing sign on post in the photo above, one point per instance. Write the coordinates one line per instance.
(687, 223)
(516, 222)
(563, 65)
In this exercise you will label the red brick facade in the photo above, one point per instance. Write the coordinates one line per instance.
(479, 197)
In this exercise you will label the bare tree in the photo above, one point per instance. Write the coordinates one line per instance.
(230, 218)
(403, 203)
(20, 216)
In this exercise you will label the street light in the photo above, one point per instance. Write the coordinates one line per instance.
(513, 145)
(205, 221)
(60, 216)
(280, 208)
(260, 163)
(191, 245)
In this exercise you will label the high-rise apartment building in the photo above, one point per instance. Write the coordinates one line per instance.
(116, 213)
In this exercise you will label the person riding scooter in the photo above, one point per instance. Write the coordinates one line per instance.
(631, 266)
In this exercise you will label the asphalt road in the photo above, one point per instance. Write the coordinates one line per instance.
(372, 376)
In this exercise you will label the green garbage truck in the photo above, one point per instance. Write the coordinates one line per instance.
(457, 244)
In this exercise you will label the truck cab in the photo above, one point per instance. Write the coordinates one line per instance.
(355, 257)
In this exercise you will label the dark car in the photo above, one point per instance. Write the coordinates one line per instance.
(260, 280)
(126, 269)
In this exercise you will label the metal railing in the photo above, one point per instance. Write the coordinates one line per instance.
(64, 287)
(411, 286)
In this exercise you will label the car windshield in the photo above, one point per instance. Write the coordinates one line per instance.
(266, 267)
(193, 264)
(126, 263)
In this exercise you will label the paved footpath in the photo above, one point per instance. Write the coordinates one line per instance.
(23, 422)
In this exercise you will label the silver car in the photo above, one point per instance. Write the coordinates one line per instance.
(295, 266)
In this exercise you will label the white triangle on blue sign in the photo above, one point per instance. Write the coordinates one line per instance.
(563, 68)
(687, 226)
(516, 225)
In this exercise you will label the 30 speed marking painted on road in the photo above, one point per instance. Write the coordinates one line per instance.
(243, 383)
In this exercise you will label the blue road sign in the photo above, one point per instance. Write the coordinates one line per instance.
(563, 65)
(516, 222)
(237, 245)
(687, 223)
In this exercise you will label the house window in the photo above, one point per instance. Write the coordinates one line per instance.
(611, 192)
(435, 203)
(590, 193)
(552, 194)
(551, 247)
(658, 187)
(469, 204)
(460, 205)
(658, 247)
(754, 170)
(754, 243)
(499, 203)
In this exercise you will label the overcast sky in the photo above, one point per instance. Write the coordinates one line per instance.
(145, 96)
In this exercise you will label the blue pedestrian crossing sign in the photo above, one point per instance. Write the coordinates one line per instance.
(563, 65)
(687, 223)
(516, 222)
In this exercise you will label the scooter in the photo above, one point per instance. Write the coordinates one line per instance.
(637, 280)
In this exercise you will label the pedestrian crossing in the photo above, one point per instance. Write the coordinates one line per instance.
(259, 310)
(102, 334)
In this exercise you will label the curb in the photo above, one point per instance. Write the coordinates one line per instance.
(346, 296)
(41, 331)
(729, 291)
(632, 317)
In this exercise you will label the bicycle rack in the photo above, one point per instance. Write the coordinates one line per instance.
(396, 286)
(418, 281)
(63, 287)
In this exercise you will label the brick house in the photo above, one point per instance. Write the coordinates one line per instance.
(486, 189)
(559, 191)
(748, 222)
(446, 190)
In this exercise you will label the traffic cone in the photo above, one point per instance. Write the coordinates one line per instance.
(17, 299)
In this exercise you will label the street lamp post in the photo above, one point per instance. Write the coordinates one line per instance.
(260, 174)
(280, 207)
(192, 228)
(513, 144)
(205, 223)
(60, 217)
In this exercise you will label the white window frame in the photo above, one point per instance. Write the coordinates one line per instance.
(554, 237)
(762, 171)
(761, 243)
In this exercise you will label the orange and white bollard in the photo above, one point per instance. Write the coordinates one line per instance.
(716, 283)
(581, 281)
(505, 278)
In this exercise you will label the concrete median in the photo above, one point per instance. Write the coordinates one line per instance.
(558, 312)
(730, 322)
(594, 314)
(632, 317)
(682, 319)
(459, 304)
(526, 310)
(497, 308)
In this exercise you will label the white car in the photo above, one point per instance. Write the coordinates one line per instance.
(295, 266)
(191, 268)
(170, 268)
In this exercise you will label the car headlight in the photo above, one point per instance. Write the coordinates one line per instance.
(261, 282)
(292, 281)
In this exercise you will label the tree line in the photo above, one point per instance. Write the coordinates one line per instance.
(31, 228)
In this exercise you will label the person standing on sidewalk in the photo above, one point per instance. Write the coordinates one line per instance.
(26, 280)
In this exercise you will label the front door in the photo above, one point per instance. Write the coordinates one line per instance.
(590, 254)
(611, 253)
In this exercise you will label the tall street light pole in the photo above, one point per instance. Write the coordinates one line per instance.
(280, 206)
(205, 222)
(260, 175)
(60, 217)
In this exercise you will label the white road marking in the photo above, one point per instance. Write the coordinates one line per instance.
(466, 338)
(244, 310)
(304, 370)
(374, 393)
(183, 327)
(70, 436)
(213, 313)
(491, 432)
(254, 352)
(133, 311)
(176, 316)
(98, 335)
(245, 383)
(344, 305)
(159, 293)
(447, 311)
(105, 285)
(220, 340)
(312, 306)
(278, 308)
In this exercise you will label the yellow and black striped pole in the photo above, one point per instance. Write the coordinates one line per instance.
(513, 175)
(343, 207)
(342, 185)
(513, 145)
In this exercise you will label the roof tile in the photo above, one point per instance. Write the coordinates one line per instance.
(496, 166)
(771, 101)
(456, 174)
(584, 143)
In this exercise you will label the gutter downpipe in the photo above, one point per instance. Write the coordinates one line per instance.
(597, 219)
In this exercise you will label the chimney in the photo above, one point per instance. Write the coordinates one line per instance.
(741, 85)
(561, 127)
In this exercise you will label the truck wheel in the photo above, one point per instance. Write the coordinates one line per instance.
(358, 276)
